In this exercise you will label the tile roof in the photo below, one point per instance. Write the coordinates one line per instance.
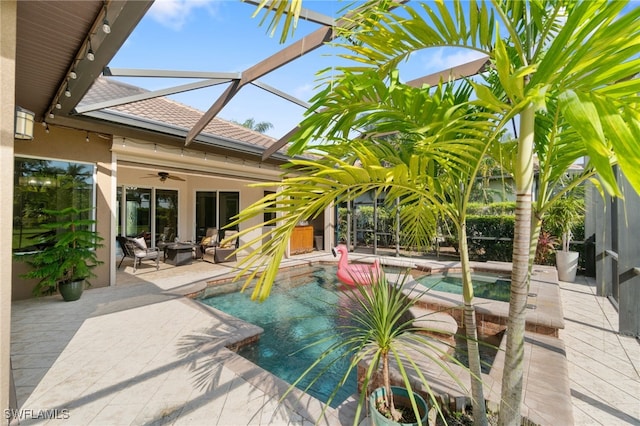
(165, 110)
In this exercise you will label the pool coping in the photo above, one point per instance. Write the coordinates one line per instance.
(546, 387)
(544, 306)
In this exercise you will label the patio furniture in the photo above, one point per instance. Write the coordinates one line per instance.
(166, 238)
(222, 252)
(136, 248)
(179, 254)
(209, 240)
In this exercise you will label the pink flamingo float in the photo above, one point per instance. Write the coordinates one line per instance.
(352, 274)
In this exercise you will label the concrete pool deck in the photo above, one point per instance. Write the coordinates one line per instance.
(113, 357)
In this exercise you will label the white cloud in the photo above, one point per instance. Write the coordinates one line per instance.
(434, 60)
(174, 14)
(305, 91)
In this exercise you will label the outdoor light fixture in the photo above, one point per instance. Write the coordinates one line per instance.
(58, 105)
(105, 23)
(90, 55)
(87, 138)
(51, 115)
(67, 92)
(46, 127)
(24, 123)
(73, 75)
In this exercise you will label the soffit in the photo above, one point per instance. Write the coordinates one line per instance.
(52, 35)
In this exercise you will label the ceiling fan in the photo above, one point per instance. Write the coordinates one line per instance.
(163, 176)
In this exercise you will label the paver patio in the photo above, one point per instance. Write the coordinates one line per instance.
(112, 358)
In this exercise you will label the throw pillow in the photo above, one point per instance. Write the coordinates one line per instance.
(140, 243)
(228, 240)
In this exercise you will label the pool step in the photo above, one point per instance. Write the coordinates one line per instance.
(437, 324)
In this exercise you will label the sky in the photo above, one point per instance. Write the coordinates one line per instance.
(222, 36)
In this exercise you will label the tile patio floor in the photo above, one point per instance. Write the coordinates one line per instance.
(112, 358)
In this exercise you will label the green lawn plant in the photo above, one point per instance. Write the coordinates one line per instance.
(569, 63)
(377, 331)
(564, 215)
(69, 250)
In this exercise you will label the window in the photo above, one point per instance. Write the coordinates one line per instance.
(206, 213)
(166, 215)
(138, 213)
(229, 207)
(268, 215)
(215, 210)
(47, 185)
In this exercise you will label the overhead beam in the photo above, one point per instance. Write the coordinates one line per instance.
(273, 62)
(306, 14)
(150, 95)
(281, 94)
(455, 73)
(213, 111)
(131, 72)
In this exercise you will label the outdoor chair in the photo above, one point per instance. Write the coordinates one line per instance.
(209, 240)
(223, 251)
(167, 237)
(136, 248)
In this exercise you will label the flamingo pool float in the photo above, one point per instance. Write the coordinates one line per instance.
(352, 274)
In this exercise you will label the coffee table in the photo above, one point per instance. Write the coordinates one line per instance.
(179, 254)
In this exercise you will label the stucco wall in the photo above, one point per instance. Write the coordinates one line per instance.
(196, 182)
(71, 145)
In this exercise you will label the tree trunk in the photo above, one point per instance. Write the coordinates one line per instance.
(395, 415)
(471, 332)
(511, 397)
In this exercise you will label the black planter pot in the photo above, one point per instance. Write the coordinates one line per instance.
(71, 290)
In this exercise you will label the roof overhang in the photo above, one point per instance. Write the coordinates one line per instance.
(53, 39)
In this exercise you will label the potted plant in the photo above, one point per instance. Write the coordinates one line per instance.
(377, 328)
(561, 218)
(68, 256)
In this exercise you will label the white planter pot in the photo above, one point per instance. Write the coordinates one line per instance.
(567, 265)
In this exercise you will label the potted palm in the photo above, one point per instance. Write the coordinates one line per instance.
(68, 256)
(377, 329)
(562, 217)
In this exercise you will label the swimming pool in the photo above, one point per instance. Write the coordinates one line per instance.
(304, 306)
(302, 309)
(485, 286)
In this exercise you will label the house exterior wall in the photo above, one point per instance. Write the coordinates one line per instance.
(128, 162)
(143, 178)
(70, 145)
(8, 10)
(140, 161)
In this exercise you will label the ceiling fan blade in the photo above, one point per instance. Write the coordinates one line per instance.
(175, 177)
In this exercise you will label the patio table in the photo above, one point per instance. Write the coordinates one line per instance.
(179, 254)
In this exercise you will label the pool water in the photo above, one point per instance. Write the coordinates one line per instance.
(304, 307)
(484, 286)
(301, 309)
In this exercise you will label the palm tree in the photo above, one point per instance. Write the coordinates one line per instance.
(580, 55)
(250, 123)
(424, 167)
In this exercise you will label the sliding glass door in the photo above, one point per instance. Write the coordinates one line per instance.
(215, 210)
(147, 212)
(206, 216)
(166, 215)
